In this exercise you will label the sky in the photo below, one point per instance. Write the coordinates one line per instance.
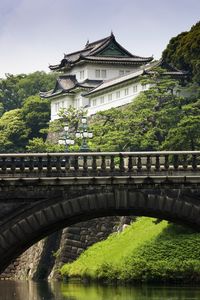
(36, 33)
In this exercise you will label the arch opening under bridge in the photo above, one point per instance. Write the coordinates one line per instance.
(30, 223)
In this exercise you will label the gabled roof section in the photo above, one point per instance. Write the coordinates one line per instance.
(110, 47)
(108, 50)
(169, 69)
(66, 84)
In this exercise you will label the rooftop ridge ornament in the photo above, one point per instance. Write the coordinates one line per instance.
(87, 43)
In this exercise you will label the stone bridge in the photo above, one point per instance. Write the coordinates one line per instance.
(42, 193)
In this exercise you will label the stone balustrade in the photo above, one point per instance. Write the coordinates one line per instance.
(99, 164)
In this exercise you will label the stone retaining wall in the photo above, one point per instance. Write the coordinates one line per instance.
(35, 263)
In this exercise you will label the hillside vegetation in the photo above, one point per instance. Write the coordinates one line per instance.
(23, 114)
(147, 251)
(183, 51)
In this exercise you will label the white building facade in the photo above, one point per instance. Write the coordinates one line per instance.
(100, 76)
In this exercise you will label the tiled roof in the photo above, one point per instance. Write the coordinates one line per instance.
(90, 83)
(91, 51)
(170, 73)
(88, 50)
(67, 84)
(97, 43)
(169, 68)
(119, 59)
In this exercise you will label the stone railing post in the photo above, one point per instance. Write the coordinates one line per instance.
(139, 163)
(121, 163)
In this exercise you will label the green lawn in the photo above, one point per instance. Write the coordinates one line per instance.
(145, 251)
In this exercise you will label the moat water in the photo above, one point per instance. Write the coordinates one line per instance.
(26, 290)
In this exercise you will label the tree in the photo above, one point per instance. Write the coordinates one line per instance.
(183, 52)
(186, 135)
(108, 130)
(13, 132)
(15, 89)
(39, 145)
(71, 116)
(142, 125)
(9, 92)
(36, 114)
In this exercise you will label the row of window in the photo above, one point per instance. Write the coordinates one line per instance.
(116, 95)
(102, 73)
(98, 74)
(123, 72)
(101, 100)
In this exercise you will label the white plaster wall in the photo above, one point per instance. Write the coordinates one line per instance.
(111, 71)
(100, 102)
(77, 71)
(58, 103)
(80, 100)
(127, 94)
(90, 71)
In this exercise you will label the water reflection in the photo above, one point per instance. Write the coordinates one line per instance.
(19, 290)
(130, 293)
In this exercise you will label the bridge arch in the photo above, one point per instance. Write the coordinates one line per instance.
(31, 223)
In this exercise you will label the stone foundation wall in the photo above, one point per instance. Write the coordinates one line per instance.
(25, 265)
(44, 259)
(35, 263)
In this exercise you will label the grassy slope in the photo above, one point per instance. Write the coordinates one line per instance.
(145, 251)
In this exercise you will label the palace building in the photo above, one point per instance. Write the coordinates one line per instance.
(100, 76)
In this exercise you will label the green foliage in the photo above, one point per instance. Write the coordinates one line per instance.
(158, 119)
(114, 249)
(19, 125)
(147, 251)
(23, 115)
(109, 130)
(183, 52)
(55, 126)
(38, 145)
(36, 114)
(186, 134)
(72, 117)
(15, 89)
(13, 131)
